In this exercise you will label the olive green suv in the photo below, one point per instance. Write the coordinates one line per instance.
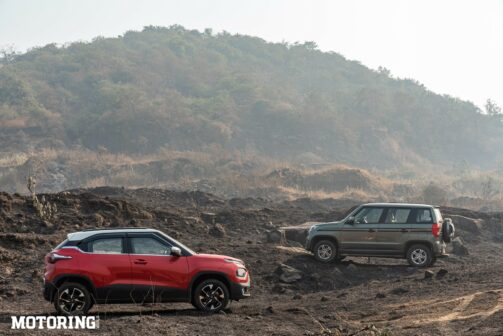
(416, 232)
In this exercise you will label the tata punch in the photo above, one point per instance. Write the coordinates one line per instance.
(138, 266)
(416, 232)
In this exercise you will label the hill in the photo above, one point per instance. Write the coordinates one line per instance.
(182, 90)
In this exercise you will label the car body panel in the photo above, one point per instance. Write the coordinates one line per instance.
(390, 237)
(127, 277)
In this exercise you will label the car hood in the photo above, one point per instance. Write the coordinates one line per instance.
(217, 257)
(329, 226)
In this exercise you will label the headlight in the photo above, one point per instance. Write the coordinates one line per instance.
(311, 229)
(241, 272)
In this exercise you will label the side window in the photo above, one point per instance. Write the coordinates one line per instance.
(424, 216)
(147, 245)
(368, 215)
(105, 246)
(397, 215)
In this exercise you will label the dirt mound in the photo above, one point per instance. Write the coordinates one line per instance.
(332, 179)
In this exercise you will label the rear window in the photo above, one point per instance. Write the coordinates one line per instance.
(105, 246)
(424, 216)
(397, 215)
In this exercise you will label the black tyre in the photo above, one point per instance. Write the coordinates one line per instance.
(419, 256)
(325, 251)
(72, 299)
(211, 296)
(447, 230)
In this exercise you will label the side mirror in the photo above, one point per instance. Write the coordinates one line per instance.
(176, 251)
(351, 220)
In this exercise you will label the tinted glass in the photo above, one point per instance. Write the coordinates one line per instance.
(106, 245)
(424, 216)
(397, 215)
(61, 244)
(369, 215)
(146, 245)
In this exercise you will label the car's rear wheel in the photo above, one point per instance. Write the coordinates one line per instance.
(419, 256)
(211, 296)
(72, 299)
(325, 251)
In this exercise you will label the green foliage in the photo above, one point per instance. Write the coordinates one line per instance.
(184, 90)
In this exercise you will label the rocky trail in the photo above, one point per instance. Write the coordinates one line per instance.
(292, 294)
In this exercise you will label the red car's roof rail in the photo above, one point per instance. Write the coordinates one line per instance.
(118, 228)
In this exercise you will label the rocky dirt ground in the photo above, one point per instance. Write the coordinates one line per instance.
(292, 294)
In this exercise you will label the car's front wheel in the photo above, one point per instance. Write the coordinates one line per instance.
(211, 296)
(419, 256)
(72, 299)
(325, 251)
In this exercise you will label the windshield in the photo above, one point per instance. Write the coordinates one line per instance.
(178, 243)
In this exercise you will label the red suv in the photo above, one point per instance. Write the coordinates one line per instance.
(139, 265)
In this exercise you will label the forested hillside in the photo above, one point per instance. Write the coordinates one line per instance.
(183, 90)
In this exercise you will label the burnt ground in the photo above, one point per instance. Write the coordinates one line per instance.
(360, 296)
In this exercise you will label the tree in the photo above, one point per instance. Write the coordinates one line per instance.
(7, 54)
(493, 109)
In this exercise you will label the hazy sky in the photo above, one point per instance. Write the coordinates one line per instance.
(453, 47)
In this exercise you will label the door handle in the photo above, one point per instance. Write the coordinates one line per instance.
(372, 230)
(140, 262)
(405, 230)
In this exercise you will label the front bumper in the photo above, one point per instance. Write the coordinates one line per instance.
(240, 290)
(307, 245)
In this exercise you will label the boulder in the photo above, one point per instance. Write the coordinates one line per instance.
(274, 236)
(208, 217)
(458, 247)
(217, 230)
(467, 224)
(288, 274)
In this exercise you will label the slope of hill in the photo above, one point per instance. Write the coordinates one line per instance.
(182, 90)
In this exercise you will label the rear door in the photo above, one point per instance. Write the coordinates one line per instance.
(393, 232)
(421, 222)
(360, 237)
(107, 264)
(157, 275)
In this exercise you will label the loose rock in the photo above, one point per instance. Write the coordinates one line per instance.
(442, 272)
(428, 274)
(217, 230)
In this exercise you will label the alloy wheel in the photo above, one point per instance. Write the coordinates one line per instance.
(71, 300)
(419, 256)
(212, 296)
(324, 251)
